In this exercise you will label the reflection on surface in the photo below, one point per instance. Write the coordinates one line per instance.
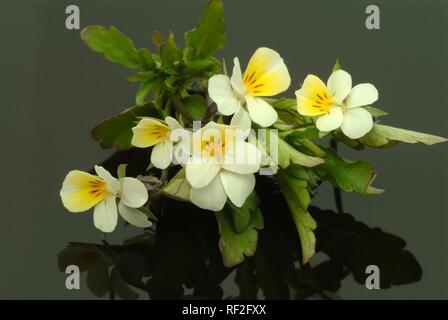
(184, 253)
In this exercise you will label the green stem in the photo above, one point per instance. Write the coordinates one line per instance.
(307, 143)
(336, 192)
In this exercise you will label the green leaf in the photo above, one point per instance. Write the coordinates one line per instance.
(195, 105)
(178, 187)
(208, 36)
(121, 170)
(282, 103)
(310, 132)
(233, 245)
(169, 53)
(242, 216)
(349, 176)
(117, 131)
(298, 199)
(115, 46)
(143, 91)
(287, 155)
(337, 65)
(381, 136)
(376, 112)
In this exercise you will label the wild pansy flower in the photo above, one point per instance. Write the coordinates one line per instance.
(266, 75)
(153, 132)
(337, 104)
(82, 191)
(222, 166)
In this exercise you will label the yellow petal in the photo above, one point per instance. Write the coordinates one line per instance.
(313, 98)
(266, 74)
(81, 191)
(149, 132)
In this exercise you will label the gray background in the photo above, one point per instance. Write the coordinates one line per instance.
(53, 90)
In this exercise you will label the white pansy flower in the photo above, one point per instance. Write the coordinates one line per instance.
(337, 104)
(266, 75)
(222, 166)
(153, 132)
(82, 191)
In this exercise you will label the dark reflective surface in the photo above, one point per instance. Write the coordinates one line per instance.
(182, 259)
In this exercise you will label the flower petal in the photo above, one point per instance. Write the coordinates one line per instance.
(339, 84)
(133, 192)
(111, 182)
(357, 122)
(362, 94)
(313, 98)
(241, 119)
(331, 121)
(105, 215)
(261, 112)
(149, 132)
(200, 173)
(133, 216)
(211, 197)
(161, 154)
(220, 91)
(237, 78)
(266, 74)
(172, 123)
(242, 157)
(77, 193)
(237, 186)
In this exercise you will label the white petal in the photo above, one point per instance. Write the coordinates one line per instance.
(111, 182)
(133, 216)
(211, 197)
(237, 186)
(332, 120)
(261, 112)
(362, 94)
(201, 173)
(172, 123)
(242, 157)
(133, 192)
(241, 119)
(357, 122)
(339, 84)
(161, 154)
(237, 78)
(105, 215)
(220, 91)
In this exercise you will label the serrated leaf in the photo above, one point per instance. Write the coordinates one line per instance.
(235, 246)
(242, 216)
(208, 36)
(349, 176)
(169, 53)
(143, 91)
(117, 131)
(115, 46)
(178, 187)
(381, 135)
(157, 38)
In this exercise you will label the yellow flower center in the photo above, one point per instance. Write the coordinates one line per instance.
(97, 189)
(322, 101)
(215, 141)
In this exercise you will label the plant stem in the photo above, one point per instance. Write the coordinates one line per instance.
(180, 107)
(336, 191)
(307, 143)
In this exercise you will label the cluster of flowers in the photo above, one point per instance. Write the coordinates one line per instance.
(219, 160)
